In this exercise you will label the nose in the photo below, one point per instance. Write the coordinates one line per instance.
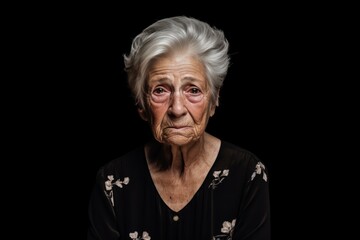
(177, 104)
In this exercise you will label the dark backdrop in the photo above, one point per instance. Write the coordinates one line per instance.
(86, 116)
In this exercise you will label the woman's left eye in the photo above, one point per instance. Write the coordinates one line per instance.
(194, 90)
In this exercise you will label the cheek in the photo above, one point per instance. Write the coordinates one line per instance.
(199, 112)
(157, 112)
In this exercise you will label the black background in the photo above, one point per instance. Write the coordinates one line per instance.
(79, 113)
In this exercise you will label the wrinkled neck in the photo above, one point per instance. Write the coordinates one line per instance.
(178, 159)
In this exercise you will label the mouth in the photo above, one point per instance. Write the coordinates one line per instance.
(177, 127)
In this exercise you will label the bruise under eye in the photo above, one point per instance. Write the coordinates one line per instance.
(159, 94)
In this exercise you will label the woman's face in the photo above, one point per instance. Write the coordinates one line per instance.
(178, 99)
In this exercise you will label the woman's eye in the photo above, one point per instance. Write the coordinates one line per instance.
(194, 91)
(159, 90)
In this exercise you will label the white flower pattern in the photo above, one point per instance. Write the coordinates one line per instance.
(259, 168)
(135, 236)
(218, 177)
(110, 183)
(227, 229)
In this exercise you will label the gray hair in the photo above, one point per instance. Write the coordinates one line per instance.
(168, 35)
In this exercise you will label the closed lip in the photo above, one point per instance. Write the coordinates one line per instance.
(178, 127)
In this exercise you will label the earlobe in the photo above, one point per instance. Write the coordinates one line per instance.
(212, 111)
(142, 114)
(217, 98)
(213, 107)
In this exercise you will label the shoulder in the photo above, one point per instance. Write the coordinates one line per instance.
(130, 160)
(238, 157)
(230, 150)
(242, 161)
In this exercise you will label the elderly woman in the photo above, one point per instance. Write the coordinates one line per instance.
(185, 183)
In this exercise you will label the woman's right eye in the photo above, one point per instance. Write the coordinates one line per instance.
(159, 90)
(160, 94)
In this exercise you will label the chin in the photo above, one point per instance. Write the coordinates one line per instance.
(178, 140)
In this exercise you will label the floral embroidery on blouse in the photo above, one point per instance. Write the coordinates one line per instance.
(218, 177)
(109, 186)
(135, 236)
(227, 229)
(259, 168)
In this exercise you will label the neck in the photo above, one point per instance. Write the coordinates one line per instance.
(180, 159)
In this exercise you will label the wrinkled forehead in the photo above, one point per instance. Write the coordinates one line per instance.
(178, 64)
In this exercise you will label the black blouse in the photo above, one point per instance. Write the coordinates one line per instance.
(232, 203)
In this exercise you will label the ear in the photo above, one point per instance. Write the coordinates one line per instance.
(142, 114)
(213, 107)
(217, 97)
(212, 110)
